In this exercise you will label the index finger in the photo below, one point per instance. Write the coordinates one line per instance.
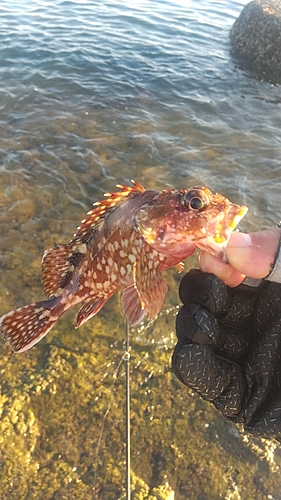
(225, 272)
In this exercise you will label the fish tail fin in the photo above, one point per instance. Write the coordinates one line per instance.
(25, 326)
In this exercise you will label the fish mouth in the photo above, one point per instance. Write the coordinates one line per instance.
(230, 220)
(218, 233)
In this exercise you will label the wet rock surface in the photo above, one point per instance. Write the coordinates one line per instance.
(256, 39)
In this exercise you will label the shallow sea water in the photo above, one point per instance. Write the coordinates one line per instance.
(98, 93)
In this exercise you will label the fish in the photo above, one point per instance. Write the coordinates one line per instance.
(125, 242)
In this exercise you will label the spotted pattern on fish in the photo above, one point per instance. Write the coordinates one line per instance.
(125, 242)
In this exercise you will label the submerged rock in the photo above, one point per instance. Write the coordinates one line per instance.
(256, 38)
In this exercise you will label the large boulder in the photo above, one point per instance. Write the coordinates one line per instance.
(256, 38)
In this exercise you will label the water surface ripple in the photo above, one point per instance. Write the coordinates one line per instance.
(98, 92)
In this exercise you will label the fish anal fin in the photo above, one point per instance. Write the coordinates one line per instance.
(131, 305)
(58, 265)
(102, 208)
(150, 285)
(90, 309)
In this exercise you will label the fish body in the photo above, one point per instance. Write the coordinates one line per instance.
(126, 241)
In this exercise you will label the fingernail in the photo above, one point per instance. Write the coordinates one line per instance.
(240, 240)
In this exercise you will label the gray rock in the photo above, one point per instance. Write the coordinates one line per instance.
(256, 39)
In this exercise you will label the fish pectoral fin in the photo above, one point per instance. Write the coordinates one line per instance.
(58, 265)
(131, 305)
(90, 309)
(151, 288)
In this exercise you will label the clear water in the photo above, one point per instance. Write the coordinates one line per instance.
(97, 93)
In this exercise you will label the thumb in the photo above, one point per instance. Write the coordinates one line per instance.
(253, 254)
(250, 254)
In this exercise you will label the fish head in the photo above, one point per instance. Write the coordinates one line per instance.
(178, 222)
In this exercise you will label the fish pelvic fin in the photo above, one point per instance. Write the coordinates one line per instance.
(103, 208)
(25, 326)
(58, 265)
(89, 309)
(131, 305)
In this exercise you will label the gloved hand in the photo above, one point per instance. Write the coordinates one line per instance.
(229, 349)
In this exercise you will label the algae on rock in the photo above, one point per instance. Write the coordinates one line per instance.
(256, 39)
(63, 425)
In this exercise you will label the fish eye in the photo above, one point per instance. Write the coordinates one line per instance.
(197, 198)
(196, 203)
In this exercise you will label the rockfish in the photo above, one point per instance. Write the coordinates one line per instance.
(126, 241)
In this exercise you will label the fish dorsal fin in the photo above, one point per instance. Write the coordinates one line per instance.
(58, 265)
(103, 208)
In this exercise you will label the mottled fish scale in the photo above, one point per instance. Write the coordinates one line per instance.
(112, 266)
(126, 241)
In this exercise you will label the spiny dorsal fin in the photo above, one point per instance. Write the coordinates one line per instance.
(102, 208)
(58, 265)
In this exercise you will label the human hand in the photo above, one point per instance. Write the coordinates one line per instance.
(250, 254)
(229, 340)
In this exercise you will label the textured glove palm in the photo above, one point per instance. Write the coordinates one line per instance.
(229, 349)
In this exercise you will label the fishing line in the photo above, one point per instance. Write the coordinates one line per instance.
(125, 358)
(128, 433)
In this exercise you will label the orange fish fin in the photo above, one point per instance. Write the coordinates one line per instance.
(180, 267)
(58, 265)
(135, 188)
(102, 208)
(131, 305)
(150, 285)
(25, 326)
(89, 309)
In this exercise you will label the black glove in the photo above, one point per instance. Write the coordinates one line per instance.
(229, 349)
